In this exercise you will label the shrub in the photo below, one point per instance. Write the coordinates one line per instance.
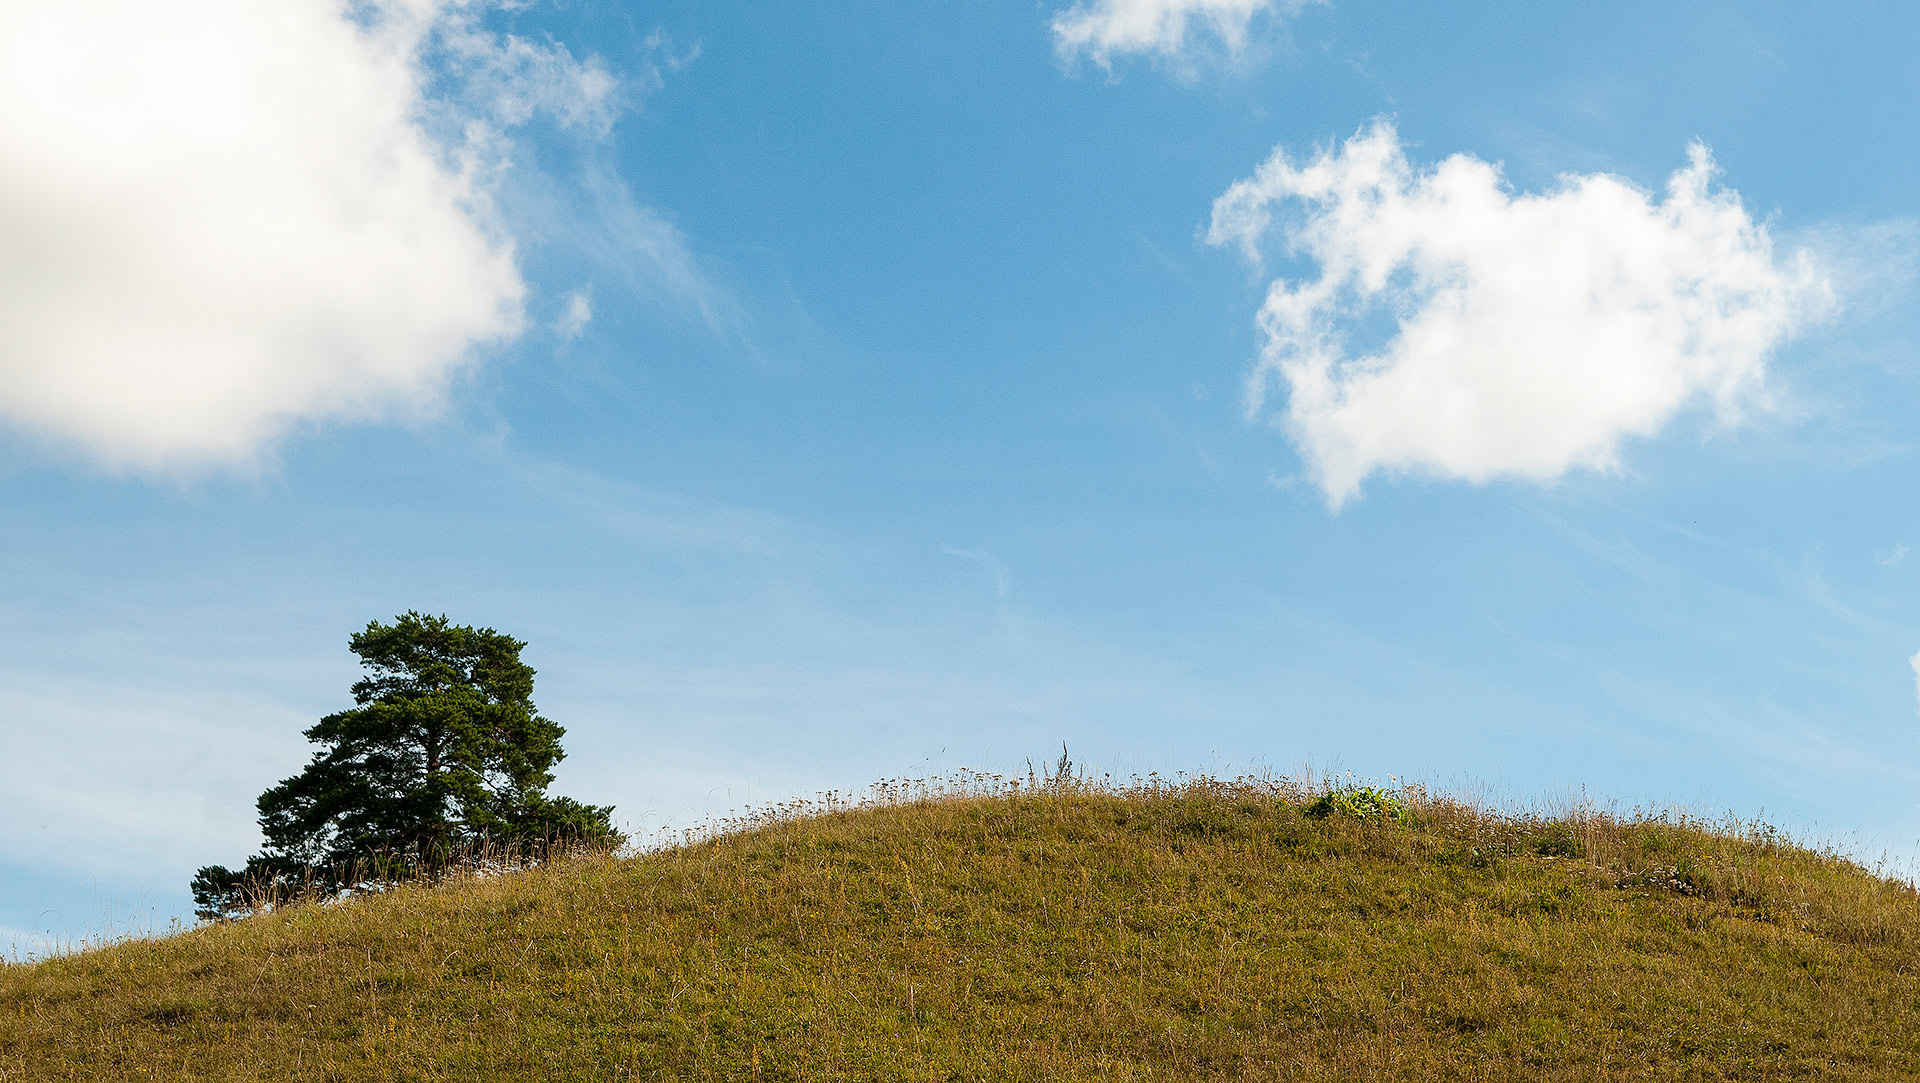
(1360, 802)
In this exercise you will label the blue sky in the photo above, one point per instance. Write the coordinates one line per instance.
(831, 392)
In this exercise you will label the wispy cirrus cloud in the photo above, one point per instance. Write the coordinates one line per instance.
(573, 322)
(220, 218)
(1530, 334)
(1104, 29)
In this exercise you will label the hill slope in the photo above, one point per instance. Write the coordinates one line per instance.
(1203, 931)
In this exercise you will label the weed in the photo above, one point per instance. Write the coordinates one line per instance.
(1359, 802)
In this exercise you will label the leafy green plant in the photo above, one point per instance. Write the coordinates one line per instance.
(1359, 802)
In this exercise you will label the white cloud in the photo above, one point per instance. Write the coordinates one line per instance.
(1915, 663)
(1530, 333)
(220, 217)
(573, 322)
(510, 80)
(1102, 28)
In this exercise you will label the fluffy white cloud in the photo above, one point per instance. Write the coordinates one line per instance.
(1517, 335)
(219, 217)
(1102, 28)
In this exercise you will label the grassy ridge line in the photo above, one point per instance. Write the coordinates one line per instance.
(1200, 929)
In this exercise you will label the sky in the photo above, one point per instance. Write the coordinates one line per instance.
(1516, 400)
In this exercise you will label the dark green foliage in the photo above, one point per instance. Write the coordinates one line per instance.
(442, 753)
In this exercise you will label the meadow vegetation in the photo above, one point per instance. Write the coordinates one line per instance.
(988, 929)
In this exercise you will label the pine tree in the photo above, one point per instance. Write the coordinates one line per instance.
(442, 752)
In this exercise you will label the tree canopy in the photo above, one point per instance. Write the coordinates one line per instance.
(443, 751)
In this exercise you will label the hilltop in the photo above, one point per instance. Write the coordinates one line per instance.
(986, 930)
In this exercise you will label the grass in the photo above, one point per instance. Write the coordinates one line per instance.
(986, 930)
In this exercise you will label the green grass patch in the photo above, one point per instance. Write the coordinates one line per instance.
(1200, 930)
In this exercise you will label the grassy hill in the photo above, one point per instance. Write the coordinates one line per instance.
(1204, 930)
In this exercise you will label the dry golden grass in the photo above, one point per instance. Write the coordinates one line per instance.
(983, 931)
